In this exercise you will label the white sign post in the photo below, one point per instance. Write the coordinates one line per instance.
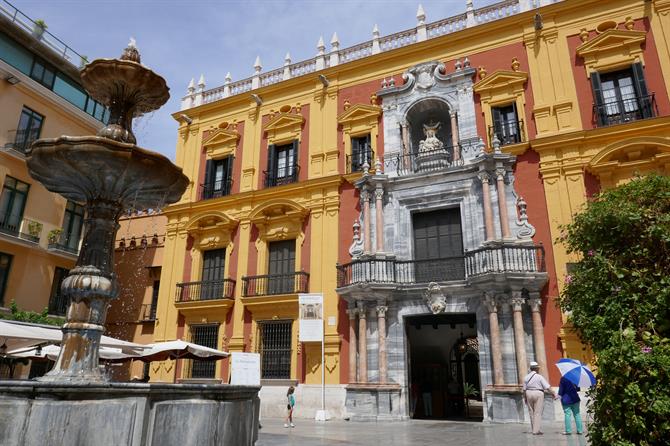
(311, 330)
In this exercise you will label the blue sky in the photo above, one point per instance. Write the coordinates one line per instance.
(180, 39)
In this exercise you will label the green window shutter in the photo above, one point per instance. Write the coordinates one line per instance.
(228, 181)
(271, 175)
(598, 100)
(641, 89)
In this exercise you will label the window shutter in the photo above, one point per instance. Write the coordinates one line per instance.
(271, 175)
(295, 159)
(641, 89)
(497, 124)
(228, 181)
(598, 98)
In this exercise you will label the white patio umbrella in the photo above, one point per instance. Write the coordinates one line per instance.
(160, 351)
(51, 352)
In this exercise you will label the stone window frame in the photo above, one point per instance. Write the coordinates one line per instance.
(215, 234)
(359, 120)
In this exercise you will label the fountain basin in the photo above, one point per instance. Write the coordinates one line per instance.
(134, 414)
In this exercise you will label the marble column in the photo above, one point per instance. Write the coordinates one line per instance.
(353, 344)
(365, 201)
(404, 134)
(362, 344)
(538, 332)
(496, 349)
(488, 212)
(502, 203)
(519, 339)
(454, 137)
(381, 331)
(379, 219)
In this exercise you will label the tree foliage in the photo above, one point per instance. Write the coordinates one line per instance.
(30, 316)
(618, 299)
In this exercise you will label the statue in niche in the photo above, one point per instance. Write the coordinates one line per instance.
(431, 143)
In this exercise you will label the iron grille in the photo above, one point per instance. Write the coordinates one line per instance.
(207, 336)
(275, 349)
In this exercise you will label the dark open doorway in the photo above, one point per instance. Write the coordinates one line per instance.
(443, 358)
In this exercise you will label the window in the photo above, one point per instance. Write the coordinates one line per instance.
(207, 336)
(621, 96)
(12, 203)
(213, 266)
(438, 246)
(281, 267)
(155, 288)
(218, 178)
(5, 265)
(43, 73)
(73, 221)
(57, 302)
(506, 125)
(28, 130)
(282, 164)
(275, 349)
(361, 152)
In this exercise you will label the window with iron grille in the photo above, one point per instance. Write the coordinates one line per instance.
(361, 152)
(218, 178)
(28, 130)
(57, 302)
(207, 336)
(275, 349)
(621, 96)
(12, 203)
(5, 264)
(281, 267)
(282, 164)
(506, 125)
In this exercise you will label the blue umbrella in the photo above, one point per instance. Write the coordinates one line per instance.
(576, 372)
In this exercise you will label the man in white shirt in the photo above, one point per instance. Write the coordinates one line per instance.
(534, 386)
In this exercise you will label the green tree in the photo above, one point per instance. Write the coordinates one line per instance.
(30, 316)
(618, 298)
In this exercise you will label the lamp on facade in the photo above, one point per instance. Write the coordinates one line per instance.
(12, 79)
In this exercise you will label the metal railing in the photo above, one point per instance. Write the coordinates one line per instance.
(16, 226)
(271, 179)
(272, 284)
(625, 110)
(508, 132)
(65, 243)
(205, 290)
(356, 161)
(58, 304)
(426, 161)
(21, 140)
(216, 189)
(148, 312)
(486, 260)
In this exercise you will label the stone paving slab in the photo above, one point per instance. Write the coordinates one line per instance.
(412, 433)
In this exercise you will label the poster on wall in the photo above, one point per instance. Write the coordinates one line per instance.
(245, 369)
(311, 317)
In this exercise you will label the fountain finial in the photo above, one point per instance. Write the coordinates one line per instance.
(130, 52)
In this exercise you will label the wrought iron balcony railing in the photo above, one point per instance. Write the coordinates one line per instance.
(272, 179)
(20, 140)
(426, 161)
(508, 132)
(16, 226)
(216, 189)
(272, 284)
(65, 242)
(486, 260)
(205, 290)
(625, 110)
(148, 312)
(58, 305)
(356, 161)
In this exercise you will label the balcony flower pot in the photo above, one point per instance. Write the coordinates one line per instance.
(35, 228)
(38, 28)
(54, 235)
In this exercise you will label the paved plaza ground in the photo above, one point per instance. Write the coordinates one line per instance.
(412, 433)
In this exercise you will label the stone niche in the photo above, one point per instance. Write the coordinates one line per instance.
(134, 414)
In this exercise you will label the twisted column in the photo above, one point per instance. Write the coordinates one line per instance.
(488, 212)
(353, 353)
(379, 219)
(502, 203)
(496, 350)
(454, 137)
(519, 342)
(365, 201)
(538, 332)
(362, 345)
(381, 331)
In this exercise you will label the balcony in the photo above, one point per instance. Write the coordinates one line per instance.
(274, 284)
(205, 290)
(505, 258)
(216, 189)
(147, 313)
(21, 140)
(508, 132)
(421, 162)
(625, 110)
(356, 161)
(58, 305)
(21, 228)
(271, 179)
(63, 242)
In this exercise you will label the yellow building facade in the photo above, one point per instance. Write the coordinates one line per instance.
(576, 90)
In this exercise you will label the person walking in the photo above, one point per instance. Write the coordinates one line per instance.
(534, 387)
(290, 404)
(427, 396)
(570, 402)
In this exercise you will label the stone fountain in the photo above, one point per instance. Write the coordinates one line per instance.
(110, 174)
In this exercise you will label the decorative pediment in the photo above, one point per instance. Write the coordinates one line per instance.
(211, 229)
(278, 219)
(501, 80)
(359, 112)
(615, 48)
(283, 127)
(221, 142)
